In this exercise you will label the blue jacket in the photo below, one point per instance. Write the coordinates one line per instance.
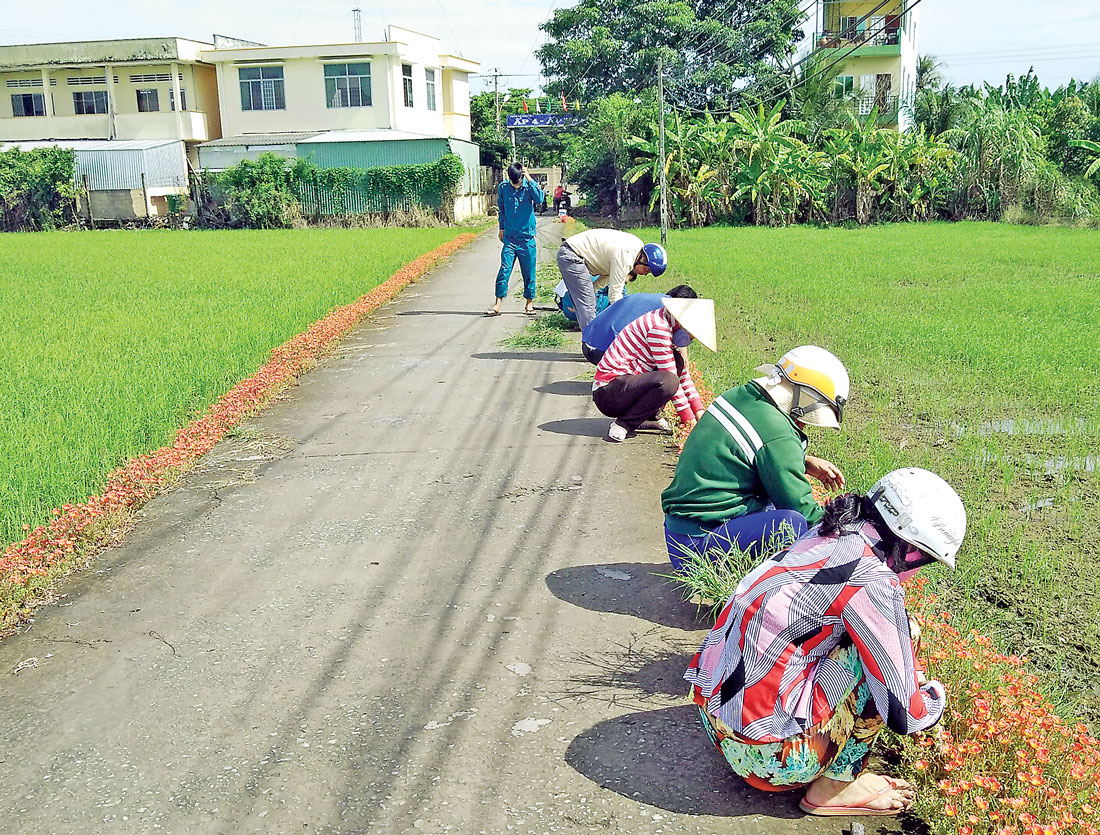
(602, 330)
(516, 207)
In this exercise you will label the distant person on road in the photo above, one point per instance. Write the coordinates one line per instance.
(614, 257)
(642, 370)
(610, 321)
(814, 652)
(742, 475)
(557, 197)
(517, 200)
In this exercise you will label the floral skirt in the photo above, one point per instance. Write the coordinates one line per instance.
(837, 747)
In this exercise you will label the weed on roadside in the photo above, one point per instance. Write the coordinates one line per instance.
(544, 332)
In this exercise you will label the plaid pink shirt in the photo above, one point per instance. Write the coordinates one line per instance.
(764, 670)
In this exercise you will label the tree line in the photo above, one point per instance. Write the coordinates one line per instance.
(755, 136)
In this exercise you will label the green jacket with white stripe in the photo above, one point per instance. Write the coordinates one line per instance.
(743, 455)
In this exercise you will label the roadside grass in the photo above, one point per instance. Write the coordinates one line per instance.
(117, 339)
(548, 329)
(545, 331)
(547, 277)
(971, 352)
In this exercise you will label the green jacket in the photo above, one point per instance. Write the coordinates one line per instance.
(743, 455)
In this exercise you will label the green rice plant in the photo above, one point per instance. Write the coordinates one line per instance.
(116, 339)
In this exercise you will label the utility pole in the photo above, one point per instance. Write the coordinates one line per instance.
(661, 111)
(496, 98)
(514, 145)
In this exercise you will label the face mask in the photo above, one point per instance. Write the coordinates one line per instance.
(681, 338)
(916, 559)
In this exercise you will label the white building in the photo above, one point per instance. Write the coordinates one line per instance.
(404, 84)
(133, 89)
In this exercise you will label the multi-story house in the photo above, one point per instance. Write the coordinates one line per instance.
(870, 47)
(138, 111)
(133, 89)
(398, 101)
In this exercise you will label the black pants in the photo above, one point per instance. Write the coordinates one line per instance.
(635, 398)
(591, 354)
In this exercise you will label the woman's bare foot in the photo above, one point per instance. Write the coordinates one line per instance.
(873, 792)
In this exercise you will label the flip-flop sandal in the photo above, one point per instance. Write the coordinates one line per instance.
(531, 312)
(860, 809)
(491, 312)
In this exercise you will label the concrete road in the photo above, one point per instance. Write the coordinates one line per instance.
(416, 595)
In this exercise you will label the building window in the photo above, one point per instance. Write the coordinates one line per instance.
(183, 99)
(429, 77)
(85, 104)
(262, 88)
(84, 80)
(844, 85)
(347, 85)
(407, 83)
(148, 101)
(28, 104)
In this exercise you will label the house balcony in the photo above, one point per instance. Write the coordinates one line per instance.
(889, 108)
(191, 126)
(883, 43)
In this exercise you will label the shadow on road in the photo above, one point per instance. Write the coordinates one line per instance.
(478, 313)
(545, 356)
(627, 589)
(663, 758)
(638, 673)
(576, 388)
(581, 427)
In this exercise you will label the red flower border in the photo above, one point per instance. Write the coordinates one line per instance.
(28, 567)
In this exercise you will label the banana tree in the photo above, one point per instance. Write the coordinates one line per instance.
(1088, 145)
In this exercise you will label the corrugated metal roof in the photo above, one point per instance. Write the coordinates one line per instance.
(119, 165)
(90, 144)
(378, 135)
(249, 139)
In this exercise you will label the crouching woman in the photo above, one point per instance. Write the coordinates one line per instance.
(813, 653)
(642, 370)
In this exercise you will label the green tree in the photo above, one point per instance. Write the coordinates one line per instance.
(929, 76)
(599, 156)
(1070, 120)
(711, 47)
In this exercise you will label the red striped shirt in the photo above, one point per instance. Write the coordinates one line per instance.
(646, 345)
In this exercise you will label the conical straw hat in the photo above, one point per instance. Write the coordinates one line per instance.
(696, 316)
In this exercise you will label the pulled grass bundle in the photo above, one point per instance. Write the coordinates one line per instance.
(29, 568)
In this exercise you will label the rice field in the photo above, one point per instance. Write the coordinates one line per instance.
(973, 352)
(113, 340)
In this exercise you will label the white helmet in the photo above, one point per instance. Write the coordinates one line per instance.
(923, 510)
(820, 382)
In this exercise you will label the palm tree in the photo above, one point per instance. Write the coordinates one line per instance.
(929, 76)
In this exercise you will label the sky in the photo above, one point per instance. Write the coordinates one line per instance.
(977, 40)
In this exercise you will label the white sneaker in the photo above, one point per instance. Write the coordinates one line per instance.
(617, 432)
(660, 424)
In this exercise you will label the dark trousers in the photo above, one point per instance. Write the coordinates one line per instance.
(635, 398)
(591, 354)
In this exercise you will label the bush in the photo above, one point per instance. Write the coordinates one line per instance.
(37, 189)
(274, 193)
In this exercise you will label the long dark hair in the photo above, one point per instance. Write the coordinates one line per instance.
(844, 514)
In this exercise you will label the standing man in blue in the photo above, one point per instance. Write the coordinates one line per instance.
(601, 331)
(516, 202)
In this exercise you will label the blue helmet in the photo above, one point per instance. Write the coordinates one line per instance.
(656, 257)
